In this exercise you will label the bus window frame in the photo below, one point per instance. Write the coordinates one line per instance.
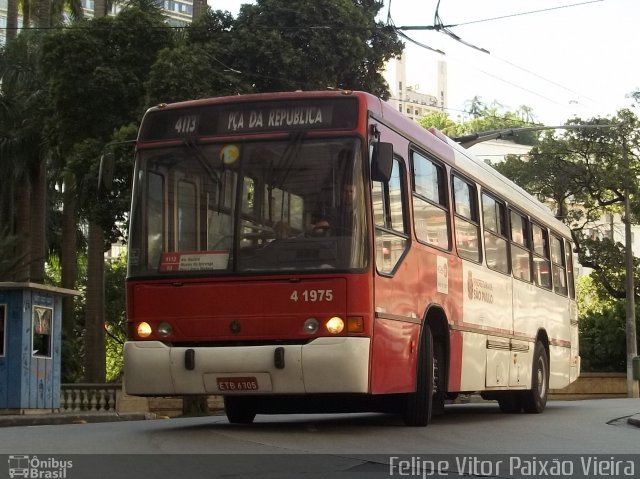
(504, 225)
(474, 211)
(387, 228)
(571, 279)
(444, 206)
(545, 257)
(524, 246)
(562, 265)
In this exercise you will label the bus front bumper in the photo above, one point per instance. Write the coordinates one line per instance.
(325, 365)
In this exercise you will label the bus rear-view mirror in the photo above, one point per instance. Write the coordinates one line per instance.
(381, 161)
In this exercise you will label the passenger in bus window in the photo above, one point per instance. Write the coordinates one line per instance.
(345, 213)
(321, 226)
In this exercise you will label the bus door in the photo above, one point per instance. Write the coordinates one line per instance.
(490, 290)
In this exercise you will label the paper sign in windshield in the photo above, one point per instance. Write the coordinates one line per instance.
(201, 261)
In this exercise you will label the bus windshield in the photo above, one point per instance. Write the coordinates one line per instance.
(259, 206)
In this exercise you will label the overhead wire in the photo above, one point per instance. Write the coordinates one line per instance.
(441, 27)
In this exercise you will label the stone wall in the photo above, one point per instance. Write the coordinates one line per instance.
(594, 386)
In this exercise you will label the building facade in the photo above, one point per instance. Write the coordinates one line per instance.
(179, 12)
(409, 98)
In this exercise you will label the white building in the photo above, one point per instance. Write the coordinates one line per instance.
(178, 12)
(410, 98)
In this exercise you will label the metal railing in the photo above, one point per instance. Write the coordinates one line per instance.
(83, 397)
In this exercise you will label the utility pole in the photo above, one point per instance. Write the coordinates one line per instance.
(632, 345)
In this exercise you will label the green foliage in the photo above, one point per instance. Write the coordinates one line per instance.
(283, 45)
(602, 325)
(603, 340)
(485, 118)
(583, 174)
(8, 260)
(23, 108)
(441, 121)
(115, 315)
(72, 347)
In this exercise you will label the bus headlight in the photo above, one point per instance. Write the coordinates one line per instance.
(164, 329)
(144, 330)
(311, 325)
(335, 325)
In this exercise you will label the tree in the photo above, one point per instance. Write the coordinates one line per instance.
(23, 151)
(602, 328)
(485, 119)
(441, 121)
(583, 173)
(475, 107)
(204, 55)
(96, 77)
(283, 45)
(12, 20)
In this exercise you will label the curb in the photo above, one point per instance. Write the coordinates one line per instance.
(71, 418)
(634, 420)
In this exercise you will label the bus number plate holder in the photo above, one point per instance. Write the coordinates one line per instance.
(237, 383)
(246, 383)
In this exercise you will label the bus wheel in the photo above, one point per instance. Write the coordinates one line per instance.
(535, 399)
(418, 405)
(239, 410)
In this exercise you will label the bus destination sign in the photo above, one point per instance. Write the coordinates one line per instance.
(250, 117)
(276, 118)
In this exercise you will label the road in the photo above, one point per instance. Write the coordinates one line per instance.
(357, 443)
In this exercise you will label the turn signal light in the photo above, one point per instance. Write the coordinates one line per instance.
(355, 324)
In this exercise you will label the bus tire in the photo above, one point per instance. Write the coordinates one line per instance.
(239, 410)
(534, 400)
(419, 404)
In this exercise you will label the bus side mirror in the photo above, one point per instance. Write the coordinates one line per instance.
(105, 175)
(381, 161)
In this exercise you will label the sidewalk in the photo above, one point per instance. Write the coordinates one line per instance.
(15, 420)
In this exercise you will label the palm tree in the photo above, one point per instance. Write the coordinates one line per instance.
(23, 149)
(526, 114)
(12, 19)
(475, 107)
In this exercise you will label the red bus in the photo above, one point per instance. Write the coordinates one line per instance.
(318, 251)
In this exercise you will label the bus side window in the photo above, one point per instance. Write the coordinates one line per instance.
(495, 234)
(389, 216)
(466, 219)
(570, 274)
(430, 208)
(520, 252)
(541, 261)
(558, 266)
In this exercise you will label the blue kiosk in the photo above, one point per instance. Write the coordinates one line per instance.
(30, 343)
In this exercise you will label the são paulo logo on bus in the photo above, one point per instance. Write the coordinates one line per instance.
(479, 290)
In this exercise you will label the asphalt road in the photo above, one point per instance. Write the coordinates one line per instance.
(350, 445)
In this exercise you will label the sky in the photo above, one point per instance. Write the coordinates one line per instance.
(561, 58)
